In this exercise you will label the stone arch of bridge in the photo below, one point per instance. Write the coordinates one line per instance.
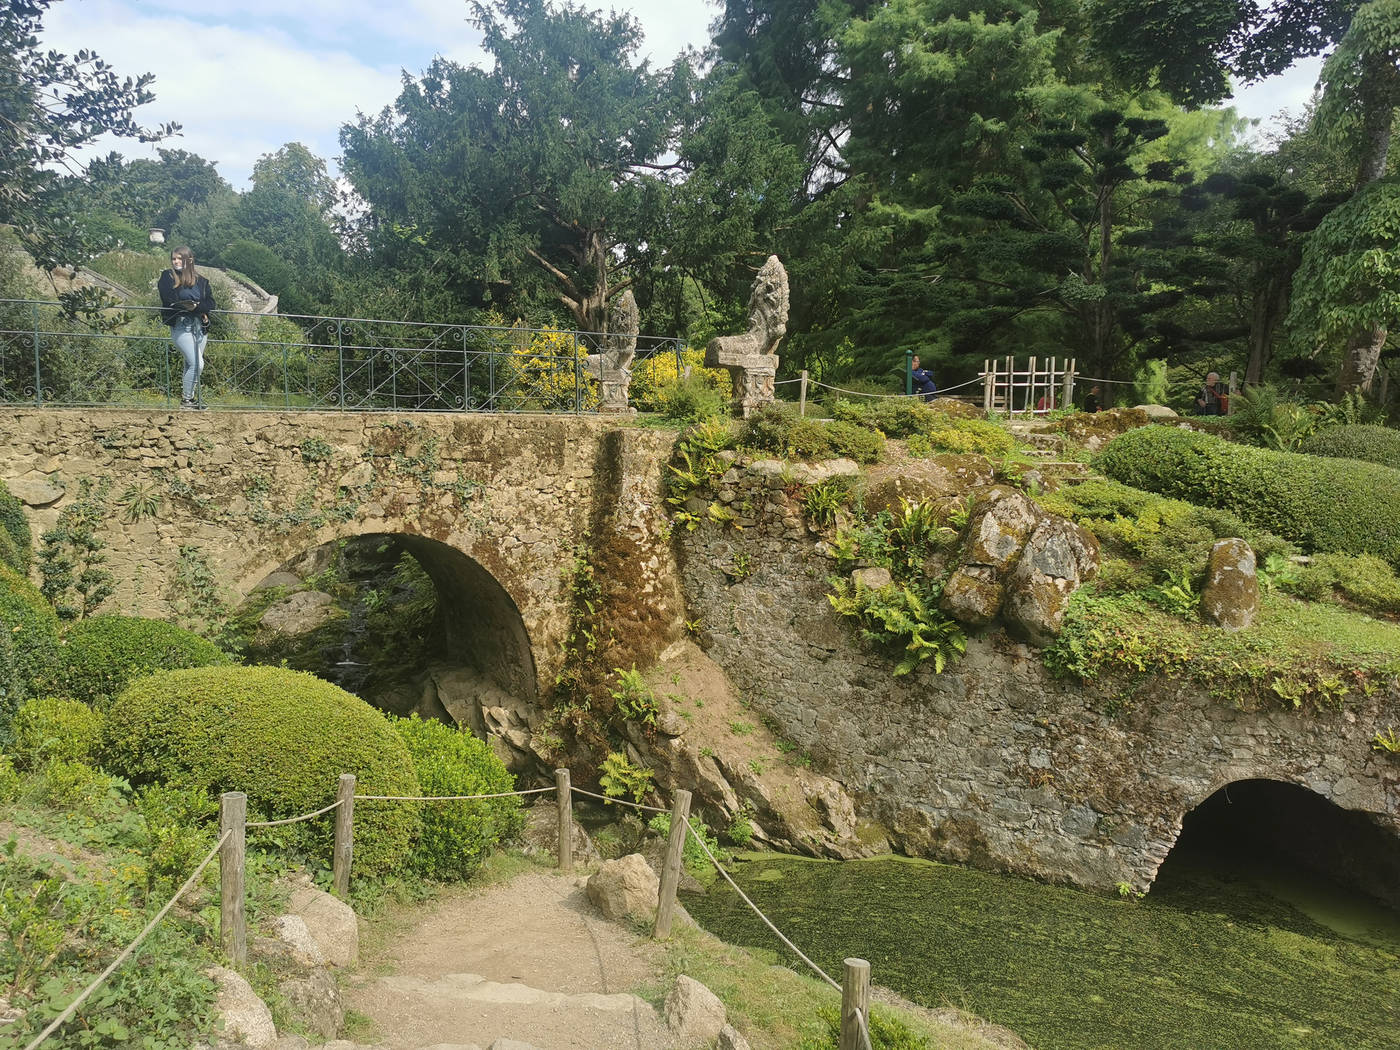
(480, 621)
(1272, 821)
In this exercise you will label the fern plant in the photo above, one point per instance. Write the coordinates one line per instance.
(901, 619)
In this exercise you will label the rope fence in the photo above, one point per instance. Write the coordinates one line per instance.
(72, 1007)
(232, 854)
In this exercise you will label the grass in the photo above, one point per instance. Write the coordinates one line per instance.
(1202, 962)
(1295, 654)
(136, 271)
(774, 1007)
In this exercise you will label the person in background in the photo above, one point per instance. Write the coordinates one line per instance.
(924, 385)
(1208, 400)
(186, 301)
(1092, 400)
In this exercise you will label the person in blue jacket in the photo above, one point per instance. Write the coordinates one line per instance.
(186, 301)
(924, 385)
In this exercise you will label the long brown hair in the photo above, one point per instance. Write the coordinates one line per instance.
(185, 275)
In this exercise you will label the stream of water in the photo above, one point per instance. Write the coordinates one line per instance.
(1226, 952)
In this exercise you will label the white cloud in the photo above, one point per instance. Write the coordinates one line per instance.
(244, 77)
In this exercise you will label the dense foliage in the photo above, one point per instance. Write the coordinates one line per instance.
(458, 836)
(100, 655)
(29, 650)
(1358, 441)
(1323, 505)
(282, 737)
(16, 539)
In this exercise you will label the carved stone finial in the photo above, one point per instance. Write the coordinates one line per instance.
(752, 358)
(613, 367)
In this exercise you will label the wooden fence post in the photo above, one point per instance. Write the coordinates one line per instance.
(233, 922)
(802, 395)
(1067, 395)
(989, 383)
(671, 873)
(344, 853)
(855, 1003)
(565, 800)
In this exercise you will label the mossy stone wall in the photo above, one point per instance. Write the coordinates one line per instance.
(494, 507)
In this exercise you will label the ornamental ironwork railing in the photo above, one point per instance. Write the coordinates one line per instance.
(54, 355)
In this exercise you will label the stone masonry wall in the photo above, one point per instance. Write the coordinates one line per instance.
(249, 491)
(995, 762)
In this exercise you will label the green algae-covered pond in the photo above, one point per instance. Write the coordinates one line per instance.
(1210, 960)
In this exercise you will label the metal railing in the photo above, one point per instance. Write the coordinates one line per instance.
(122, 356)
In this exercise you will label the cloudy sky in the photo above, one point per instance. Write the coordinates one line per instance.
(244, 77)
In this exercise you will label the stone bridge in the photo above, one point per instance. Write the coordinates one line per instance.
(495, 508)
(995, 762)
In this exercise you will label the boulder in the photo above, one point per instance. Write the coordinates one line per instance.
(1057, 558)
(331, 923)
(626, 888)
(511, 1044)
(693, 1012)
(1156, 411)
(35, 492)
(300, 613)
(973, 595)
(1230, 598)
(315, 1000)
(731, 1039)
(302, 947)
(872, 578)
(999, 528)
(245, 1016)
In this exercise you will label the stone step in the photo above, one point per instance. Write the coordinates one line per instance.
(457, 1011)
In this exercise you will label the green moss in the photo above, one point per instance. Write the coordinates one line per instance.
(282, 737)
(1295, 654)
(1201, 962)
(102, 654)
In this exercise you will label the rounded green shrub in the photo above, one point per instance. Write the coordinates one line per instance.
(283, 737)
(50, 729)
(9, 779)
(458, 836)
(30, 650)
(17, 544)
(100, 655)
(1356, 441)
(1323, 505)
(777, 430)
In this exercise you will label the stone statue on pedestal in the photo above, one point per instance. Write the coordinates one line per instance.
(752, 358)
(613, 367)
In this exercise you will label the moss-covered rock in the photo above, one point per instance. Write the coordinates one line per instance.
(102, 654)
(282, 737)
(1324, 505)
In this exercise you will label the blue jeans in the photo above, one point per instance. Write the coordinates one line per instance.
(188, 336)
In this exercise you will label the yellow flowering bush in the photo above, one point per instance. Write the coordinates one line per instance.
(654, 377)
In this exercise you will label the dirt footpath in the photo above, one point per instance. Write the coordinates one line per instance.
(530, 960)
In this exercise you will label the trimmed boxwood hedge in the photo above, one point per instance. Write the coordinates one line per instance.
(282, 736)
(17, 543)
(458, 836)
(1356, 441)
(100, 655)
(30, 651)
(1323, 505)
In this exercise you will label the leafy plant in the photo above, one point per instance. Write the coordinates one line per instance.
(620, 778)
(71, 556)
(693, 857)
(1386, 741)
(1176, 596)
(899, 618)
(634, 698)
(139, 502)
(315, 450)
(824, 499)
